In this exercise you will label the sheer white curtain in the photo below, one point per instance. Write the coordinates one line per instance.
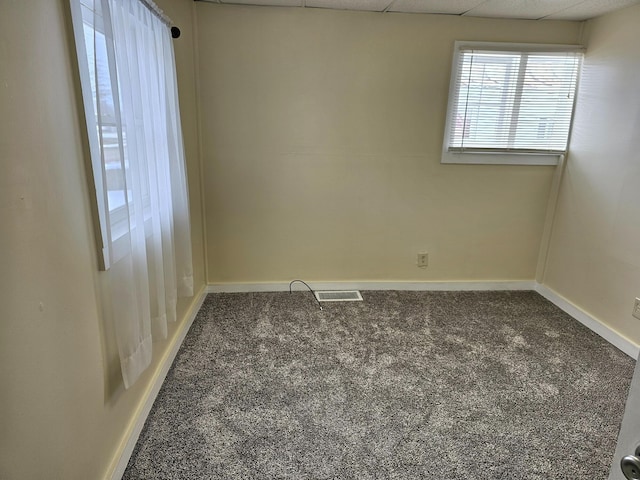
(139, 171)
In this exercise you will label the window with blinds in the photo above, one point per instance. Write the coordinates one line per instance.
(512, 101)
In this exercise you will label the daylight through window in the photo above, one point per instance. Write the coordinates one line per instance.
(509, 101)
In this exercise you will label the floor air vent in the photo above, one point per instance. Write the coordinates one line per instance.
(339, 296)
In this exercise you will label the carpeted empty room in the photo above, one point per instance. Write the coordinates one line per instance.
(403, 385)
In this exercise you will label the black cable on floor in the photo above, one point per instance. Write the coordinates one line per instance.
(312, 292)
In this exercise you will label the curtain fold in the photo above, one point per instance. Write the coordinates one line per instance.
(143, 177)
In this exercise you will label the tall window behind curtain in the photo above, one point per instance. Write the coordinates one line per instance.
(127, 72)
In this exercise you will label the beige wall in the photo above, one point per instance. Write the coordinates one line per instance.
(321, 134)
(63, 411)
(321, 139)
(594, 255)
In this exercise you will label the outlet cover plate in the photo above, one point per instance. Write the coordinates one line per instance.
(636, 309)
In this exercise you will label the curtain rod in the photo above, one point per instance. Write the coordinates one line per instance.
(154, 9)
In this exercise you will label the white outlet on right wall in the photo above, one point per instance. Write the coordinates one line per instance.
(636, 309)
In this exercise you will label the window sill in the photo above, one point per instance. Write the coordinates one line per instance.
(121, 237)
(498, 158)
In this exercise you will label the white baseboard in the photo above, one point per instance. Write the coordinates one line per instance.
(589, 321)
(153, 390)
(416, 286)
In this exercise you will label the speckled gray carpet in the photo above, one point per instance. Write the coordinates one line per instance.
(405, 385)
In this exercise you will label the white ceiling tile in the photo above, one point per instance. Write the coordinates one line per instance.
(272, 3)
(531, 9)
(370, 5)
(590, 9)
(453, 7)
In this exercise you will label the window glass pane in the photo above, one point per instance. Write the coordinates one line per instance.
(112, 144)
(547, 102)
(485, 100)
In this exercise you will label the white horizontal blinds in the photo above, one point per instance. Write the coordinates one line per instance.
(513, 101)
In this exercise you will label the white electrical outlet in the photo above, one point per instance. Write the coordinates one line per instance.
(636, 309)
(423, 260)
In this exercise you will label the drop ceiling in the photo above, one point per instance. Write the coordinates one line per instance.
(525, 9)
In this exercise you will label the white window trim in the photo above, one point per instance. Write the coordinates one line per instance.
(499, 157)
(97, 186)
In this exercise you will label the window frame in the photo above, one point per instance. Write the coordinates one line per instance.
(112, 224)
(97, 183)
(500, 157)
